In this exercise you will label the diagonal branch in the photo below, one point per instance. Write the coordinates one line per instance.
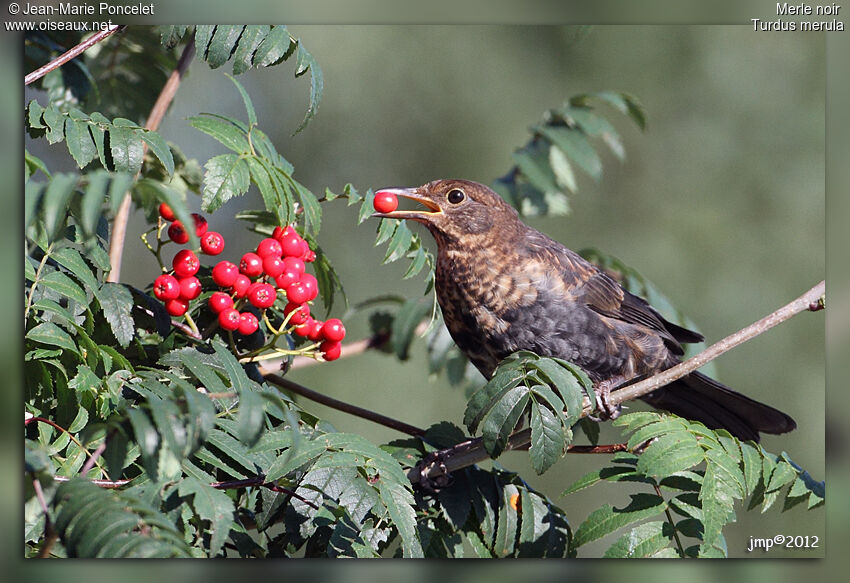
(472, 451)
(71, 53)
(166, 96)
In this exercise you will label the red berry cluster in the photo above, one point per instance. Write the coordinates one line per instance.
(280, 259)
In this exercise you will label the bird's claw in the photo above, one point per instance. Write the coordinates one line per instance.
(425, 468)
(605, 410)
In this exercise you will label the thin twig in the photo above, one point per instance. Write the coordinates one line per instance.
(71, 53)
(261, 481)
(166, 96)
(472, 452)
(670, 520)
(76, 441)
(106, 484)
(49, 533)
(343, 406)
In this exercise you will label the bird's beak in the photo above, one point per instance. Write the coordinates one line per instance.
(416, 215)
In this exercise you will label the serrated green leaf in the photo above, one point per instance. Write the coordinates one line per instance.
(670, 453)
(243, 56)
(213, 505)
(292, 460)
(233, 369)
(484, 398)
(502, 417)
(251, 417)
(611, 474)
(225, 132)
(644, 540)
(533, 161)
(34, 113)
(54, 203)
(312, 209)
(55, 125)
(752, 466)
(148, 439)
(222, 44)
(404, 326)
(626, 104)
(126, 146)
(33, 164)
(50, 333)
(548, 439)
(91, 203)
(608, 519)
(727, 469)
(117, 304)
(79, 142)
(72, 260)
(225, 176)
(664, 426)
(160, 149)
(575, 145)
(563, 171)
(64, 285)
(274, 47)
(718, 498)
(304, 62)
(506, 527)
(203, 35)
(399, 243)
(399, 503)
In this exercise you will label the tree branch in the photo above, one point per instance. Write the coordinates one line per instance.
(71, 53)
(472, 451)
(166, 96)
(343, 406)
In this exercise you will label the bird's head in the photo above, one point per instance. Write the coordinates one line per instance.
(454, 209)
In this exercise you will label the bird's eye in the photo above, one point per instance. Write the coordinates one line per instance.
(455, 196)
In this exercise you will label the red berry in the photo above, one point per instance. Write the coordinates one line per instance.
(190, 287)
(268, 247)
(200, 224)
(224, 273)
(251, 265)
(287, 278)
(294, 263)
(278, 233)
(212, 243)
(166, 287)
(297, 293)
(262, 295)
(177, 307)
(241, 285)
(302, 312)
(315, 330)
(220, 301)
(291, 244)
(229, 319)
(185, 263)
(330, 350)
(305, 249)
(165, 212)
(310, 257)
(385, 202)
(177, 233)
(273, 265)
(311, 285)
(333, 330)
(304, 329)
(248, 323)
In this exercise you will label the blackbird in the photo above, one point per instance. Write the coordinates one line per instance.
(503, 286)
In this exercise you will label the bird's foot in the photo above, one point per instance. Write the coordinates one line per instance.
(432, 463)
(605, 410)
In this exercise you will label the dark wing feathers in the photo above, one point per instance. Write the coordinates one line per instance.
(602, 294)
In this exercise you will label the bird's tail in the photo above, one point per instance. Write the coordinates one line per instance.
(700, 398)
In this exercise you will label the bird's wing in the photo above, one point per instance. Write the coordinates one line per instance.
(602, 294)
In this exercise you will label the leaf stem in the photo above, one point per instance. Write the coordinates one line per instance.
(670, 520)
(71, 436)
(37, 277)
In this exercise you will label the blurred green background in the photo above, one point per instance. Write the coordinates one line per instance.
(720, 202)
